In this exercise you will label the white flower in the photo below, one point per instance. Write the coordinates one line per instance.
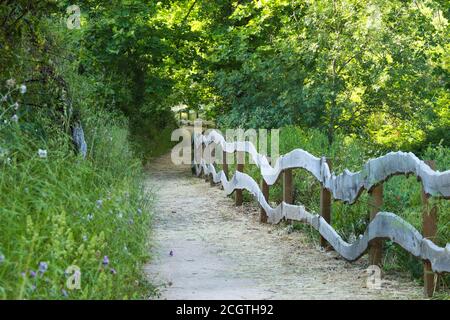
(42, 153)
(16, 106)
(15, 118)
(120, 215)
(10, 83)
(23, 89)
(3, 152)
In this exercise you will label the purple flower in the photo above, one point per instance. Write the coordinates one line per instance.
(43, 266)
(113, 271)
(99, 203)
(33, 274)
(105, 260)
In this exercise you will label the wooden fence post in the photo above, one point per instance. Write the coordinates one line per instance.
(429, 226)
(213, 160)
(287, 186)
(207, 159)
(265, 192)
(225, 164)
(193, 164)
(240, 156)
(376, 245)
(202, 150)
(325, 208)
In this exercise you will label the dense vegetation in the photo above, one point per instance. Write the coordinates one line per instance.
(345, 78)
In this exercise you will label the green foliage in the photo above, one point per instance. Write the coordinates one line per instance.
(377, 69)
(62, 210)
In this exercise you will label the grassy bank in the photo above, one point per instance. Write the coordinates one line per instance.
(59, 211)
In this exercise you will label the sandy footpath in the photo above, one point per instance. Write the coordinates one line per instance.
(220, 251)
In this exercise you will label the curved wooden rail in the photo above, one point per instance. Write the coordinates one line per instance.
(348, 185)
(385, 224)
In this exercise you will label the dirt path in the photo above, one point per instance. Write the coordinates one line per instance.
(223, 252)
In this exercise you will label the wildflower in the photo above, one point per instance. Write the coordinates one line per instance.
(99, 203)
(105, 260)
(113, 271)
(3, 152)
(2, 258)
(4, 98)
(120, 215)
(90, 217)
(15, 118)
(10, 83)
(43, 266)
(16, 106)
(23, 274)
(33, 274)
(23, 89)
(139, 211)
(131, 221)
(85, 238)
(42, 153)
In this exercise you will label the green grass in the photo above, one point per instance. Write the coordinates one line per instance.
(63, 211)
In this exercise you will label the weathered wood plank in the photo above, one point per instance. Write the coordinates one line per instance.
(384, 225)
(348, 185)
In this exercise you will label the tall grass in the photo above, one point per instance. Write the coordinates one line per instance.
(63, 211)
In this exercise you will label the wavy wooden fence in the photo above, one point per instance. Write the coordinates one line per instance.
(346, 187)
